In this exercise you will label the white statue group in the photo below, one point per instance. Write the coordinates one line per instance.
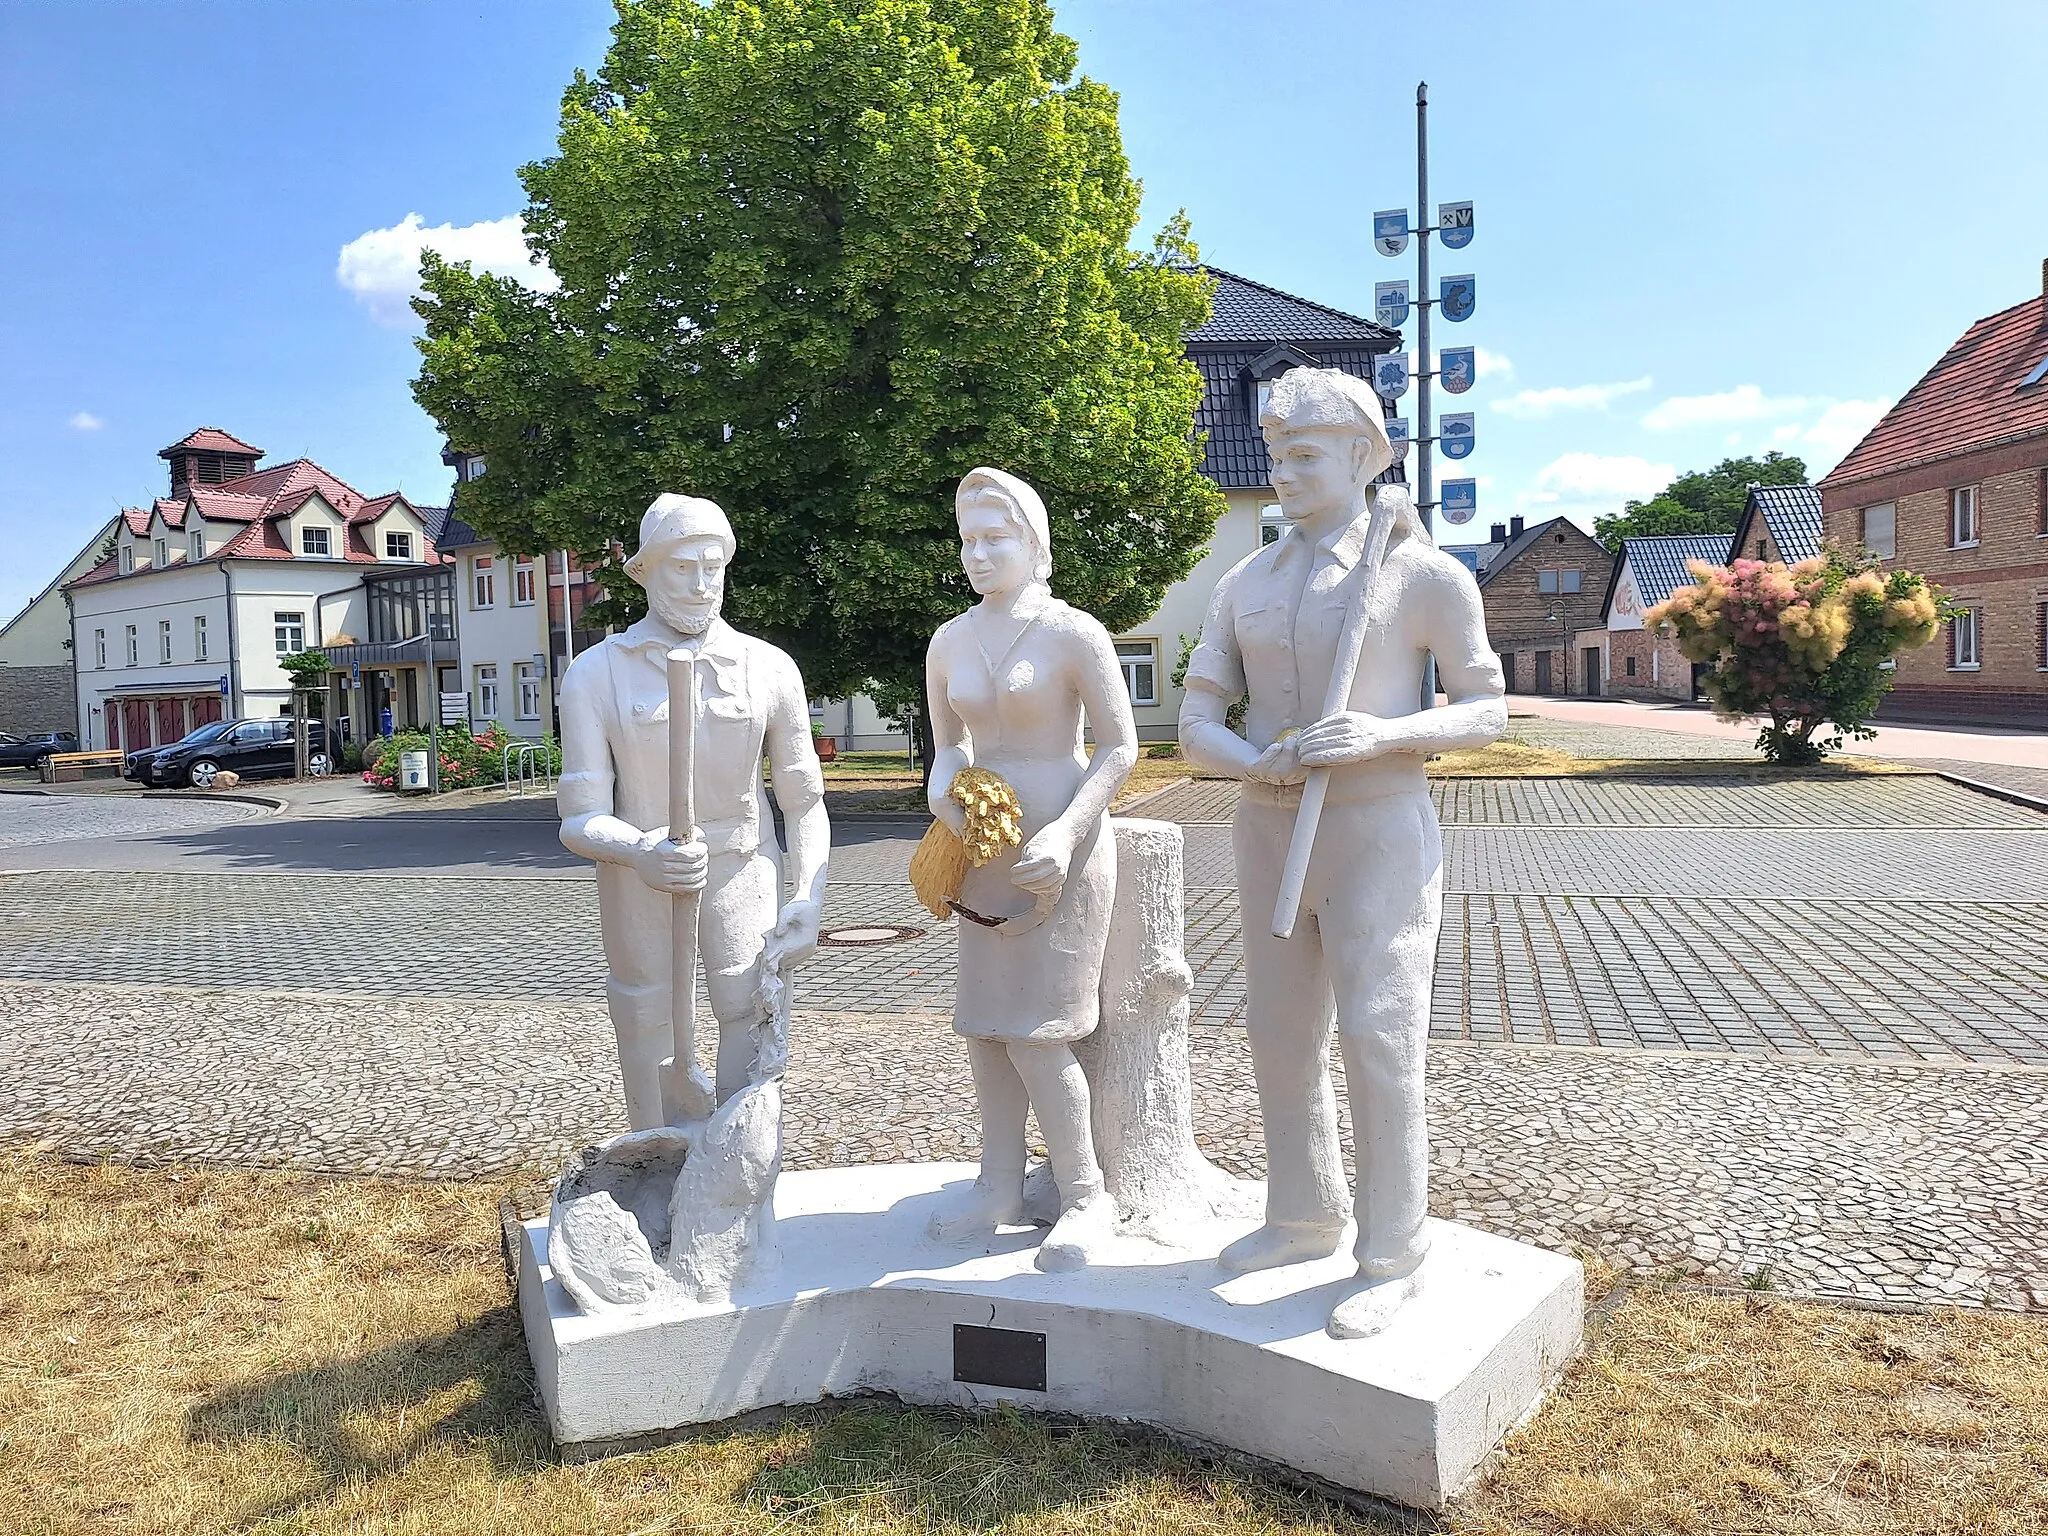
(1327, 633)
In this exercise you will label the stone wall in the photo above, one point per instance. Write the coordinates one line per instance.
(1523, 620)
(37, 699)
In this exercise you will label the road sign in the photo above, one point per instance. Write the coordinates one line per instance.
(1461, 501)
(1456, 296)
(1390, 374)
(1390, 231)
(1454, 225)
(223, 685)
(355, 674)
(1390, 303)
(1458, 368)
(1454, 433)
(1399, 434)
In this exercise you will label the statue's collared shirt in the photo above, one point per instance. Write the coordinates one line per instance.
(620, 687)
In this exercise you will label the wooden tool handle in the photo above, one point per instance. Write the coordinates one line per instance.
(686, 1093)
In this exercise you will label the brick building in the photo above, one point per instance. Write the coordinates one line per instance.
(1779, 522)
(1636, 662)
(1953, 483)
(1543, 587)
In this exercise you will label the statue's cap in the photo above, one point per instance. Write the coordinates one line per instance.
(1327, 400)
(669, 520)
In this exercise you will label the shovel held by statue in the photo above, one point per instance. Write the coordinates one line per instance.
(686, 1091)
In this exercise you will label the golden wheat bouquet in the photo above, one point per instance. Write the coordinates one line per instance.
(995, 822)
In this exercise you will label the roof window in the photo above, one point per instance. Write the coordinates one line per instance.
(2039, 375)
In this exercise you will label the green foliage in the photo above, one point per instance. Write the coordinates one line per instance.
(307, 669)
(1705, 501)
(1803, 647)
(818, 258)
(466, 760)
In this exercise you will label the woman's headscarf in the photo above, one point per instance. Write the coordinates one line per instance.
(1025, 510)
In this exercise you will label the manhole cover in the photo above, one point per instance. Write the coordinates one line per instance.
(862, 937)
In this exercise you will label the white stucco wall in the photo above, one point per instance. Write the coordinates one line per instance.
(507, 635)
(39, 635)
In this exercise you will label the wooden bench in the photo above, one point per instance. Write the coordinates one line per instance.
(68, 767)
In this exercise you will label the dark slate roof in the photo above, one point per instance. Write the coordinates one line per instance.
(1242, 311)
(1659, 563)
(1511, 551)
(1235, 455)
(457, 533)
(1791, 513)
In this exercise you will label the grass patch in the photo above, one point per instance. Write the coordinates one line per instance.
(214, 1351)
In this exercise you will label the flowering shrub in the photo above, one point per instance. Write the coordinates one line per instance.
(466, 760)
(1803, 646)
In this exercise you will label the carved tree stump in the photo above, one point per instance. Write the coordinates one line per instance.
(1137, 1059)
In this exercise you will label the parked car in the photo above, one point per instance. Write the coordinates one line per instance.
(255, 749)
(133, 765)
(29, 751)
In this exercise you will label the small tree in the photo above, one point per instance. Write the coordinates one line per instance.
(308, 671)
(1803, 646)
(1704, 501)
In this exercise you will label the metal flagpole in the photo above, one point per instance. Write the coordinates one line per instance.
(1425, 433)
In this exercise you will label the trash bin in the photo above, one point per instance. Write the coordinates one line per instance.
(412, 770)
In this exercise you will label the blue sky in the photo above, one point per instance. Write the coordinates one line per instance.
(1699, 230)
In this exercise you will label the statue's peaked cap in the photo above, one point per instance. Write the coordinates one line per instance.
(670, 519)
(1327, 400)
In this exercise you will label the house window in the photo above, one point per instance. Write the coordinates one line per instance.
(99, 647)
(1262, 394)
(1759, 549)
(1962, 517)
(397, 546)
(127, 559)
(160, 553)
(313, 541)
(483, 590)
(473, 467)
(1881, 530)
(1568, 581)
(291, 632)
(2041, 637)
(130, 637)
(522, 582)
(529, 690)
(487, 692)
(1272, 523)
(1546, 581)
(199, 637)
(2041, 504)
(1630, 666)
(198, 545)
(1140, 662)
(1964, 651)
(1558, 581)
(163, 641)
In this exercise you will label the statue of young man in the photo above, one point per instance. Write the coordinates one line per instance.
(1372, 896)
(614, 802)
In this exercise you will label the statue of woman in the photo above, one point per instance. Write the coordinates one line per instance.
(1012, 681)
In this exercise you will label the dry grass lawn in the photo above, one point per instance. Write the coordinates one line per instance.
(211, 1351)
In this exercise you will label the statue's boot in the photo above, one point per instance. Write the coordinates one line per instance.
(1384, 1286)
(1085, 1225)
(995, 1199)
(1277, 1243)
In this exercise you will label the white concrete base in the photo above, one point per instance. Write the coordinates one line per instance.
(856, 1299)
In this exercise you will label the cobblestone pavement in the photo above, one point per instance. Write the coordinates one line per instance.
(2032, 782)
(1606, 742)
(29, 819)
(1879, 1182)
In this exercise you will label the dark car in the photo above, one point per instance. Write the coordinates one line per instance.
(135, 764)
(29, 751)
(254, 749)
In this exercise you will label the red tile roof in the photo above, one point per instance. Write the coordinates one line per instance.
(1974, 397)
(208, 440)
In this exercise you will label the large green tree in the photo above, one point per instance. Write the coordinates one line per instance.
(818, 258)
(1705, 501)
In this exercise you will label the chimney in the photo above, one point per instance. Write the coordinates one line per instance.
(2044, 276)
(1499, 533)
(1514, 527)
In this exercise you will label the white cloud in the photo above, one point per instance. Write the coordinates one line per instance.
(1535, 404)
(1594, 477)
(381, 267)
(1493, 365)
(1745, 402)
(85, 421)
(1842, 425)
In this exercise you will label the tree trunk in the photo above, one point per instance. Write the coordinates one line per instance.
(1137, 1059)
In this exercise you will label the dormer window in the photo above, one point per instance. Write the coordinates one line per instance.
(127, 559)
(198, 545)
(397, 546)
(313, 541)
(473, 467)
(160, 553)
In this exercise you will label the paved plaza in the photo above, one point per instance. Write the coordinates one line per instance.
(1708, 1024)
